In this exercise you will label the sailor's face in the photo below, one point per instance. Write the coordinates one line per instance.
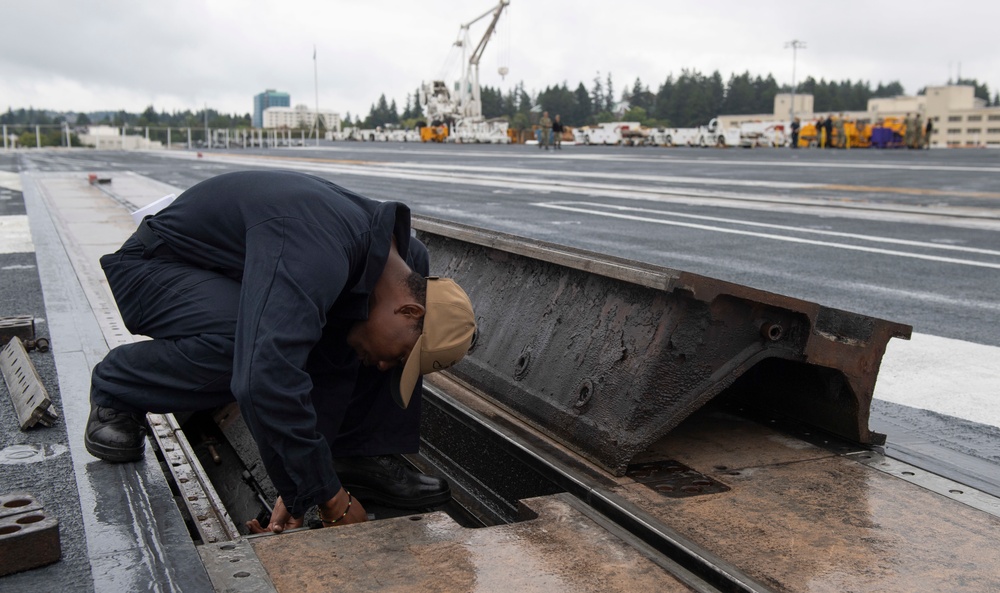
(385, 339)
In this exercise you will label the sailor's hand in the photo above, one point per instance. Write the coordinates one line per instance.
(281, 520)
(342, 509)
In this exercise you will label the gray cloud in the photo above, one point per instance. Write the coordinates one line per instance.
(127, 55)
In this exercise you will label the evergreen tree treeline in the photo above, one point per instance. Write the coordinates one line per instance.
(688, 100)
(149, 117)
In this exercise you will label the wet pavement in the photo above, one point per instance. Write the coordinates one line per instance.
(120, 526)
(900, 215)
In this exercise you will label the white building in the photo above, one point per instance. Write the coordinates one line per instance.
(960, 119)
(299, 117)
(112, 138)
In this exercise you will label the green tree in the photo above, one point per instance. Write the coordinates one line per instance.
(520, 121)
(558, 100)
(637, 114)
(584, 110)
(393, 116)
(149, 117)
(597, 95)
(892, 89)
(664, 109)
(741, 95)
(492, 102)
(417, 111)
(609, 95)
(641, 97)
(523, 99)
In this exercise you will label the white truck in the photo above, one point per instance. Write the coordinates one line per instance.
(715, 135)
(675, 136)
(606, 133)
(711, 135)
(754, 134)
(492, 131)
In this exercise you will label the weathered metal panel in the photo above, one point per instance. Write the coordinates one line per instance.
(21, 326)
(608, 355)
(27, 392)
(559, 549)
(29, 536)
(801, 519)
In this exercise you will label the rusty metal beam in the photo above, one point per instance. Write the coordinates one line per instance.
(608, 355)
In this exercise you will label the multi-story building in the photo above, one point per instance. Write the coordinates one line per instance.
(299, 117)
(265, 100)
(960, 118)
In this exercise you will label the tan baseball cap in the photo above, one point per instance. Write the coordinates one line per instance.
(449, 325)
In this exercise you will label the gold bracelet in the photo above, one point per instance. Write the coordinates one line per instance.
(347, 510)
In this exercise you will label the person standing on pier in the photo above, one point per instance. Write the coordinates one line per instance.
(545, 125)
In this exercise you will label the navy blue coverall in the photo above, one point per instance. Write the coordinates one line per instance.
(249, 287)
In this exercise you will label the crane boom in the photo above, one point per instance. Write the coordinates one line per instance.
(481, 47)
(470, 101)
(464, 107)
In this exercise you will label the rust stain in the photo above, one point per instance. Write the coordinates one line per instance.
(561, 551)
(804, 520)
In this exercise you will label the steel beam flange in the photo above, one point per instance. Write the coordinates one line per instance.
(609, 355)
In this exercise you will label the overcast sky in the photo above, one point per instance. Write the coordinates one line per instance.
(184, 54)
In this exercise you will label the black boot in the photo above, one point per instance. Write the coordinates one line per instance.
(389, 481)
(113, 435)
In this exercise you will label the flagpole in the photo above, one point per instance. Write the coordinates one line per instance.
(316, 81)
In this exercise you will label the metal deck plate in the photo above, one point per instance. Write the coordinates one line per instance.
(812, 520)
(562, 550)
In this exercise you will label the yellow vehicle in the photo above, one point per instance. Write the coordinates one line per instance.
(858, 135)
(434, 133)
(809, 136)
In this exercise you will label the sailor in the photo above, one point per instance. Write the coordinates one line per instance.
(307, 304)
(545, 125)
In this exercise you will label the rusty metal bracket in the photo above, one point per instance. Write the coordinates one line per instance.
(608, 355)
(29, 536)
(31, 400)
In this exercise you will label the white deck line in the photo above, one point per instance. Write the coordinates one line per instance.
(943, 375)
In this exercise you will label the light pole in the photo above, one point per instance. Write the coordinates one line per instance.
(796, 45)
(316, 85)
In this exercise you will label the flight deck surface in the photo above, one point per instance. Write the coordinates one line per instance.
(907, 236)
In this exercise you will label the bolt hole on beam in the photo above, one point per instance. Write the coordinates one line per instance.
(8, 529)
(584, 393)
(18, 502)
